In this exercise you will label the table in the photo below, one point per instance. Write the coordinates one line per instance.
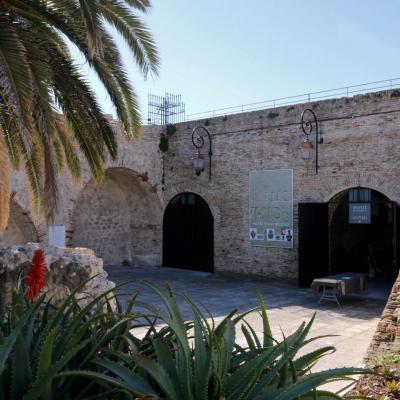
(339, 285)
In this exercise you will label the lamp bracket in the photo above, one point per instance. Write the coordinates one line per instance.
(199, 134)
(309, 122)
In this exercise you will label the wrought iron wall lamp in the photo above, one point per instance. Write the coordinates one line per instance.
(198, 139)
(309, 122)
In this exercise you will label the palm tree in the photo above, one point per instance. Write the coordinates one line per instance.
(47, 108)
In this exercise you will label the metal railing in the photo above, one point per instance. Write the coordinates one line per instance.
(346, 91)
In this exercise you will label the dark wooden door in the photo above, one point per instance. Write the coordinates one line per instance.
(188, 234)
(396, 238)
(313, 242)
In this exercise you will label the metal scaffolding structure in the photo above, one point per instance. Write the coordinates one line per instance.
(165, 110)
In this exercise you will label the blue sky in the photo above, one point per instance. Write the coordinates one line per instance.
(219, 53)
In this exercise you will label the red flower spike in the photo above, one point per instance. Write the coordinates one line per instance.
(36, 276)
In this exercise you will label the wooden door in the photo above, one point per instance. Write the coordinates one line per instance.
(313, 242)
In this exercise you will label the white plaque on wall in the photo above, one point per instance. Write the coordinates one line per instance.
(57, 235)
(271, 208)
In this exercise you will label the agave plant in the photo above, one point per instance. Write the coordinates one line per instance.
(90, 352)
(47, 107)
(201, 361)
(38, 342)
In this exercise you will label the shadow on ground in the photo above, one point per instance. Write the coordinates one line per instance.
(353, 324)
(220, 295)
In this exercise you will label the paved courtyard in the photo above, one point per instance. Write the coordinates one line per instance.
(288, 306)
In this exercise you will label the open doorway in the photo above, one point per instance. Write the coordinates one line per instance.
(356, 231)
(362, 233)
(188, 234)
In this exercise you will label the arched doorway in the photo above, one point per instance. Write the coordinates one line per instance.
(188, 234)
(356, 231)
(120, 219)
(362, 233)
(20, 229)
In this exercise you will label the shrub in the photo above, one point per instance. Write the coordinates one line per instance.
(201, 360)
(38, 342)
(90, 352)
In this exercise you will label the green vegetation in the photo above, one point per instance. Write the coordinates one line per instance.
(92, 351)
(39, 80)
(38, 343)
(383, 383)
(272, 115)
(164, 137)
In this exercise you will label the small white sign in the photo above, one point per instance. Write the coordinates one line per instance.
(57, 235)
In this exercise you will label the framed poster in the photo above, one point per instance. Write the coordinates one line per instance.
(271, 208)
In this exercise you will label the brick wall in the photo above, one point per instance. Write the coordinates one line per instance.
(122, 216)
(361, 148)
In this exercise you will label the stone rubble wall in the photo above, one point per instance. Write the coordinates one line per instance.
(67, 268)
(121, 217)
(387, 335)
(20, 228)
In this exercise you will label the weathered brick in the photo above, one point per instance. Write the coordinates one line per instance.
(121, 217)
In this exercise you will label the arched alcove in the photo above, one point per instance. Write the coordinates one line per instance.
(362, 233)
(356, 230)
(20, 228)
(120, 219)
(188, 233)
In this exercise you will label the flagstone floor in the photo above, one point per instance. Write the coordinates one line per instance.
(354, 323)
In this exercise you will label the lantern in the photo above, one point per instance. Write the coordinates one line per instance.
(198, 163)
(306, 149)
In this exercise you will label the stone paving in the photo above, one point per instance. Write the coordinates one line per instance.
(288, 306)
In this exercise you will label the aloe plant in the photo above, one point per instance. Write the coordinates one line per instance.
(38, 342)
(91, 352)
(202, 361)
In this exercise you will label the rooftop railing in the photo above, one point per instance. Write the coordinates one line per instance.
(346, 91)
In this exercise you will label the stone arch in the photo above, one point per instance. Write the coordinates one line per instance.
(381, 184)
(120, 218)
(20, 229)
(367, 245)
(182, 188)
(188, 233)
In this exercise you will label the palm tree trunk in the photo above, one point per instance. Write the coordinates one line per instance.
(4, 183)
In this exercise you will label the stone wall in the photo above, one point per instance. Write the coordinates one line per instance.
(20, 228)
(121, 217)
(66, 269)
(361, 148)
(387, 335)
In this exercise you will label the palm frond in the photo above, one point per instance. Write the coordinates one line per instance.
(15, 83)
(69, 149)
(39, 79)
(136, 34)
(4, 183)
